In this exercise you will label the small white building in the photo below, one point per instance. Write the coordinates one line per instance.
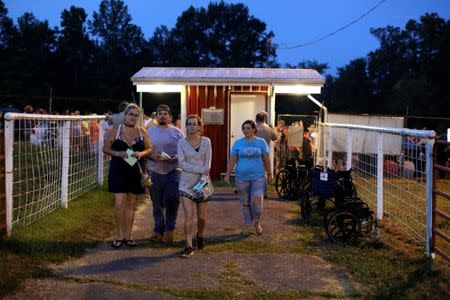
(226, 97)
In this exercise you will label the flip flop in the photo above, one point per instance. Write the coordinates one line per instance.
(131, 243)
(117, 243)
(259, 230)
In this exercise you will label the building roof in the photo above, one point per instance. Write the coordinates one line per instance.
(227, 76)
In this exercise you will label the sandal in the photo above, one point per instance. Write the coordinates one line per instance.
(117, 243)
(259, 230)
(131, 243)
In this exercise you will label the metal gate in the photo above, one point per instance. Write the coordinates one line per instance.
(440, 240)
(2, 184)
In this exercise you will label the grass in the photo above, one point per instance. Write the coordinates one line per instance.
(393, 267)
(37, 179)
(61, 235)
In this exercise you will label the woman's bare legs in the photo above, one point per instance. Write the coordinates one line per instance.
(201, 218)
(119, 212)
(188, 207)
(130, 209)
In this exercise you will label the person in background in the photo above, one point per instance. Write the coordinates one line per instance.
(178, 123)
(94, 132)
(76, 134)
(124, 179)
(307, 152)
(106, 127)
(116, 119)
(194, 159)
(250, 154)
(265, 132)
(313, 134)
(162, 166)
(152, 121)
(283, 135)
(85, 134)
(28, 125)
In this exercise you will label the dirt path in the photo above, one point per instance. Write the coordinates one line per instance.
(232, 265)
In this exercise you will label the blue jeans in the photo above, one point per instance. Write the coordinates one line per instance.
(165, 198)
(251, 195)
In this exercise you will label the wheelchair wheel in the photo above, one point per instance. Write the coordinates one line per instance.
(343, 227)
(282, 183)
(305, 205)
(327, 216)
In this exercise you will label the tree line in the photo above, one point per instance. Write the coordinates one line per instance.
(95, 58)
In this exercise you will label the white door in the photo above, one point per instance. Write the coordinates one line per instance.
(243, 107)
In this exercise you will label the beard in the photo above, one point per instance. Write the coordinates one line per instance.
(162, 122)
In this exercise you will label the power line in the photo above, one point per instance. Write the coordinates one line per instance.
(336, 31)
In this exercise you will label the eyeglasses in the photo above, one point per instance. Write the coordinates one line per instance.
(247, 128)
(191, 124)
(134, 115)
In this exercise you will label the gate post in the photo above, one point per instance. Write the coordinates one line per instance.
(379, 176)
(101, 135)
(349, 149)
(65, 164)
(429, 192)
(9, 139)
(2, 183)
(330, 145)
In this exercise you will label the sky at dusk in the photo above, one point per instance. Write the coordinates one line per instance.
(293, 22)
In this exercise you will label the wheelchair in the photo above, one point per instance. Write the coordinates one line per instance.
(322, 188)
(353, 219)
(350, 217)
(292, 180)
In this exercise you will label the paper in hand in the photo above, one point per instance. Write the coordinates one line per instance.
(131, 160)
(165, 156)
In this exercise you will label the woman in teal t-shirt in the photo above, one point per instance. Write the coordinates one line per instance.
(250, 154)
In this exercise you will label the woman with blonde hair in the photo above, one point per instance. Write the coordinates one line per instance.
(194, 159)
(128, 140)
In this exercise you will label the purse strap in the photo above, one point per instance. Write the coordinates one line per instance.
(140, 168)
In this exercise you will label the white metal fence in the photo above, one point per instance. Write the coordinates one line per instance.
(392, 170)
(50, 160)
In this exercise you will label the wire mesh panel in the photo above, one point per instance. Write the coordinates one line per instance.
(53, 159)
(390, 169)
(83, 158)
(404, 183)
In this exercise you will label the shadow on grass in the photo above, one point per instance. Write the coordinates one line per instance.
(417, 284)
(52, 250)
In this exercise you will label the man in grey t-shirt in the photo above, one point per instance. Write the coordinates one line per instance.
(165, 178)
(263, 130)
